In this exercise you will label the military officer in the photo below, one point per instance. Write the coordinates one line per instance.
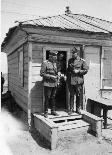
(50, 79)
(77, 67)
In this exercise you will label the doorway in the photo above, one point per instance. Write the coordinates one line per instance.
(61, 93)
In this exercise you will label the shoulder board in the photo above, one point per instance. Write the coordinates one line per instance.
(82, 59)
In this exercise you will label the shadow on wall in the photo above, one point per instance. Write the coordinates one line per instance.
(94, 108)
(37, 97)
(8, 102)
(89, 106)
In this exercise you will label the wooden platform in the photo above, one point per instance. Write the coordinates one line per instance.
(56, 127)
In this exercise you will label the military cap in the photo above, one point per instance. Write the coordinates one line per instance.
(54, 53)
(74, 50)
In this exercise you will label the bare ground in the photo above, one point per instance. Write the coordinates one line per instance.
(26, 143)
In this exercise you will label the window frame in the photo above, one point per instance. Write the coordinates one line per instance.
(102, 69)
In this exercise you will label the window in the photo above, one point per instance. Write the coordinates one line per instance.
(106, 65)
(21, 66)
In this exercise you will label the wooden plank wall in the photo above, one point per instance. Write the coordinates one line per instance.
(18, 90)
(37, 88)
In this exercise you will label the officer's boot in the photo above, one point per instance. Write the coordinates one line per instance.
(78, 105)
(71, 105)
(53, 112)
(46, 107)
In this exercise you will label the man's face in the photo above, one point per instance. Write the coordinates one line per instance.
(61, 56)
(52, 58)
(74, 55)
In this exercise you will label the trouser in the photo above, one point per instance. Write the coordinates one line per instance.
(49, 93)
(75, 90)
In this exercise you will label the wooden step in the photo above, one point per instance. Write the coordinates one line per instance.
(61, 114)
(60, 128)
(67, 118)
(73, 125)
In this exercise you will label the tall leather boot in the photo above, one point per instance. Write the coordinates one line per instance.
(46, 107)
(53, 112)
(78, 104)
(71, 106)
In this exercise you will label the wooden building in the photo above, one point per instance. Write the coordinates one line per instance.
(27, 46)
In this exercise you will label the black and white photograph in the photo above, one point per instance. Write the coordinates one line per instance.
(56, 77)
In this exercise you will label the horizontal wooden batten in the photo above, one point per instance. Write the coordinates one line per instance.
(19, 86)
(20, 96)
(36, 110)
(37, 54)
(36, 47)
(36, 60)
(36, 70)
(36, 102)
(35, 64)
(37, 94)
(19, 89)
(14, 60)
(36, 78)
(13, 66)
(70, 39)
(12, 55)
(21, 103)
(74, 33)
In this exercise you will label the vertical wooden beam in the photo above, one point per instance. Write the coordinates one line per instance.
(99, 129)
(67, 91)
(54, 138)
(29, 81)
(43, 59)
(105, 110)
(102, 71)
(83, 89)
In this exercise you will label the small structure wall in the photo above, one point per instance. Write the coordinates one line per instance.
(41, 38)
(36, 86)
(18, 89)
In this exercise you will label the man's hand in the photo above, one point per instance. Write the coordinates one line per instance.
(53, 77)
(76, 71)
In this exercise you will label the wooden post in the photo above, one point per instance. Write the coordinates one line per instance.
(54, 138)
(83, 88)
(67, 90)
(99, 129)
(29, 81)
(105, 110)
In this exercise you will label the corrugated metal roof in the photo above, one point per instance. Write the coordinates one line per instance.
(74, 22)
(69, 22)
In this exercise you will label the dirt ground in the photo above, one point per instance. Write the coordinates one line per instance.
(26, 143)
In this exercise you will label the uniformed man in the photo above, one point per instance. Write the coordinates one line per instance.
(77, 67)
(50, 80)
